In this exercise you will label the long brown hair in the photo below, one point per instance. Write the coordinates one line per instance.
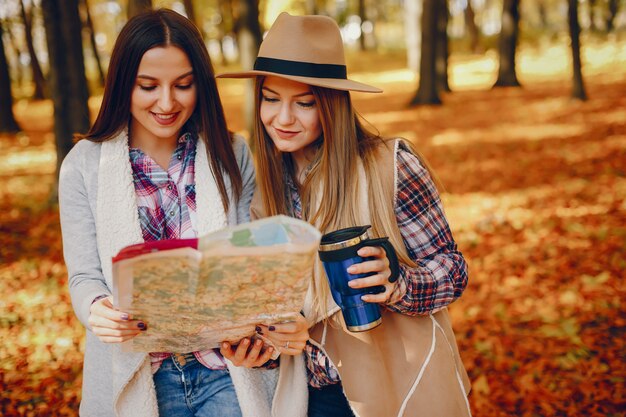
(159, 28)
(333, 174)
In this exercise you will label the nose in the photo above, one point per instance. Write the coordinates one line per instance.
(285, 115)
(166, 100)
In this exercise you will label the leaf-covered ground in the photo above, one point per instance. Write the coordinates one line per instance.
(535, 192)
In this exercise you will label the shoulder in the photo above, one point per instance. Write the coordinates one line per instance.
(414, 179)
(83, 156)
(396, 153)
(240, 146)
(242, 152)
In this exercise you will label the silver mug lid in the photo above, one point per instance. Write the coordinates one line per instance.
(349, 242)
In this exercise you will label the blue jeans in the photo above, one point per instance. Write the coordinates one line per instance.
(329, 401)
(186, 388)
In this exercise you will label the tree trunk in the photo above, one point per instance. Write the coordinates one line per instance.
(507, 44)
(68, 84)
(249, 39)
(311, 7)
(427, 92)
(18, 76)
(7, 120)
(363, 17)
(225, 25)
(37, 74)
(578, 88)
(592, 15)
(412, 31)
(92, 40)
(137, 6)
(610, 20)
(191, 15)
(442, 46)
(543, 14)
(471, 28)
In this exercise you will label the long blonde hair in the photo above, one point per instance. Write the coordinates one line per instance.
(333, 174)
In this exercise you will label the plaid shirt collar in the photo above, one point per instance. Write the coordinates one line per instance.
(166, 198)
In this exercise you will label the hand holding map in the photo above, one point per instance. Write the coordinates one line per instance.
(195, 293)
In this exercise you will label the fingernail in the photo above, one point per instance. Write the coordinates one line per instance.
(141, 325)
(270, 349)
(272, 328)
(351, 284)
(245, 342)
(257, 342)
(351, 269)
(124, 316)
(258, 329)
(225, 345)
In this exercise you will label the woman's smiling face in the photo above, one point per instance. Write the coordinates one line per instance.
(164, 96)
(290, 115)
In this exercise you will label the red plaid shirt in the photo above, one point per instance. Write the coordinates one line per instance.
(441, 272)
(166, 201)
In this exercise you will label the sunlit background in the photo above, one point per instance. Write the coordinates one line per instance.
(534, 186)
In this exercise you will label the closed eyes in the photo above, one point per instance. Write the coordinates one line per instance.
(303, 104)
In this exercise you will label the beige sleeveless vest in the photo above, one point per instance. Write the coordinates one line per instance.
(408, 365)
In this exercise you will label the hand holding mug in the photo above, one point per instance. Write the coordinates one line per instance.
(360, 273)
(379, 267)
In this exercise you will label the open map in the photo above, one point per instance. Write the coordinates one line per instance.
(195, 293)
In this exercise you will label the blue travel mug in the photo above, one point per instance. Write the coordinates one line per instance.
(338, 250)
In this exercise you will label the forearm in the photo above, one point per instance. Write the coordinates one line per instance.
(430, 286)
(85, 278)
(438, 275)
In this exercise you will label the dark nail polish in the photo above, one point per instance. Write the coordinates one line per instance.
(272, 328)
(258, 329)
(141, 325)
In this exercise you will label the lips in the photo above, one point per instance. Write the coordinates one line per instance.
(165, 119)
(285, 134)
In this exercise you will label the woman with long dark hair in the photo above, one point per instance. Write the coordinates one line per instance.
(158, 163)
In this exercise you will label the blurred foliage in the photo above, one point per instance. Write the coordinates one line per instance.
(542, 22)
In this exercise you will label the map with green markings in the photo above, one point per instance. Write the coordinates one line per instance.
(192, 299)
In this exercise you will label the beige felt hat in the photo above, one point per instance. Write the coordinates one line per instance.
(307, 49)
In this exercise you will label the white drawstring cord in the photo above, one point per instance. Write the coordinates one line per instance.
(458, 376)
(421, 372)
(323, 341)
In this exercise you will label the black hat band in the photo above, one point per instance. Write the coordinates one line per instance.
(301, 69)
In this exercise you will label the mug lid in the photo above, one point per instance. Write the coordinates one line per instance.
(343, 238)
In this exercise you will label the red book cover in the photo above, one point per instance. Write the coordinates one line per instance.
(156, 246)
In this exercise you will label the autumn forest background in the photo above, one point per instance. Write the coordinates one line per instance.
(520, 107)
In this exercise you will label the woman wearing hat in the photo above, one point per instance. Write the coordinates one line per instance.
(317, 161)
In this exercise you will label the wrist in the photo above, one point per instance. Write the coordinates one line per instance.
(398, 292)
(100, 297)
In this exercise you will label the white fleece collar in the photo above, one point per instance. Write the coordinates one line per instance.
(117, 216)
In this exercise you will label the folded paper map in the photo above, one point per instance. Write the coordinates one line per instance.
(195, 293)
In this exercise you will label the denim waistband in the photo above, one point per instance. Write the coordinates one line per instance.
(182, 360)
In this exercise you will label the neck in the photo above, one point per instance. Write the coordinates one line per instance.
(302, 158)
(159, 149)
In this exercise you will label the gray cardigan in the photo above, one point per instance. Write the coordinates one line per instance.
(78, 198)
